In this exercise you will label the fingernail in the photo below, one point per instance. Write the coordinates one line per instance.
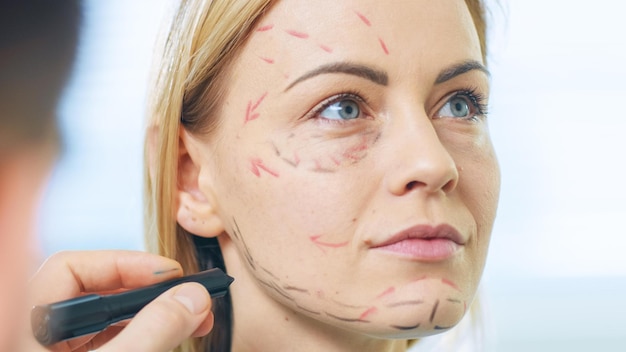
(193, 297)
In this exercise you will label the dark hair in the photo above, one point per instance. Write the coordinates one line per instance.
(37, 47)
(209, 256)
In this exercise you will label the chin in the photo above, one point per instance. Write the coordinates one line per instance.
(425, 319)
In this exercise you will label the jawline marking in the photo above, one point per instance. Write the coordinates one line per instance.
(349, 320)
(236, 231)
(346, 305)
(270, 273)
(399, 327)
(308, 310)
(437, 327)
(405, 303)
(297, 289)
(274, 287)
(246, 250)
(432, 314)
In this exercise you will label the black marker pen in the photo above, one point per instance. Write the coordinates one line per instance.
(92, 313)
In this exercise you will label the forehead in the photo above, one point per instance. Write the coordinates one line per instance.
(406, 35)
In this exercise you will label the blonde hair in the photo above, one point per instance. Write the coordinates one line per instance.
(204, 38)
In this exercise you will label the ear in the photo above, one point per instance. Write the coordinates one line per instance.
(197, 207)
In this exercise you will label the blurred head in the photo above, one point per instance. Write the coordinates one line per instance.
(334, 157)
(37, 45)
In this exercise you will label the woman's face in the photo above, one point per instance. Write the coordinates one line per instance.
(352, 164)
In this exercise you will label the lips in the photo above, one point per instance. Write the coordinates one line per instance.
(424, 243)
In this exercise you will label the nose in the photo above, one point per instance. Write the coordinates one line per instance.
(419, 160)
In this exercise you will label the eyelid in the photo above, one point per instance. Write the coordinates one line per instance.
(476, 99)
(320, 107)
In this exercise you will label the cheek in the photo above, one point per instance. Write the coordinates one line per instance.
(320, 152)
(479, 173)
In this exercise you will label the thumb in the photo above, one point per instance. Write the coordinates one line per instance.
(179, 313)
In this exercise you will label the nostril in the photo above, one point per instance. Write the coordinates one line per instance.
(411, 185)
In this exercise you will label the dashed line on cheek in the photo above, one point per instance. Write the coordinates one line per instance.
(297, 34)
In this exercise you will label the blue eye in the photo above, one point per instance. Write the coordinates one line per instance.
(345, 109)
(457, 107)
(465, 105)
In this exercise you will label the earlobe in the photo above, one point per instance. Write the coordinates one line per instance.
(196, 212)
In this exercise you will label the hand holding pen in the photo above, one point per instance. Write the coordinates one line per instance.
(180, 312)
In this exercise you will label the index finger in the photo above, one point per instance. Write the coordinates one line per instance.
(68, 274)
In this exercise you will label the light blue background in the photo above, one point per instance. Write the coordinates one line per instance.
(556, 275)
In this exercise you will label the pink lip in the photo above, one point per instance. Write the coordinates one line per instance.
(424, 243)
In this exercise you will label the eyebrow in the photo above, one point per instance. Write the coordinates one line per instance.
(459, 69)
(380, 77)
(377, 76)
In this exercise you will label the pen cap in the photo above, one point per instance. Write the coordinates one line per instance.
(57, 321)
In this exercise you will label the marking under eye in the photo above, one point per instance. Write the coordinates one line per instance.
(363, 18)
(383, 45)
(297, 34)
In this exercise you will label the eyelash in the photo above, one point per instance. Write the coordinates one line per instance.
(354, 95)
(475, 98)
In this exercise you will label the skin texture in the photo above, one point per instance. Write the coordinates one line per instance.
(303, 199)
